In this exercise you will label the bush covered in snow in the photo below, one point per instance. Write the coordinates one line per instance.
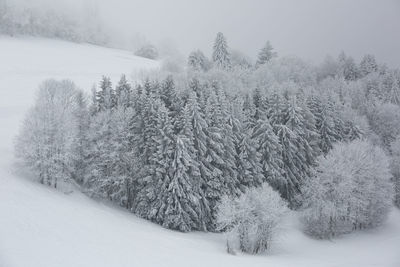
(252, 220)
(351, 190)
(147, 51)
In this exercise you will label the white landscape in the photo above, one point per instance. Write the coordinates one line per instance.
(192, 158)
(44, 227)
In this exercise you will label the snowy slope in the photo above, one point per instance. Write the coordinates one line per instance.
(41, 227)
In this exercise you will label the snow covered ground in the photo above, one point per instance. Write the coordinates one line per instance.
(41, 227)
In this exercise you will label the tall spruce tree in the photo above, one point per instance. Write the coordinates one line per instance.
(123, 92)
(266, 54)
(221, 55)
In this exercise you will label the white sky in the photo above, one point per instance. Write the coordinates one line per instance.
(307, 28)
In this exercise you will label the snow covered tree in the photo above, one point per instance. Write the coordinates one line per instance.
(169, 96)
(385, 122)
(106, 96)
(80, 143)
(351, 190)
(368, 65)
(248, 159)
(147, 51)
(221, 55)
(252, 220)
(46, 140)
(266, 54)
(297, 154)
(160, 163)
(395, 168)
(184, 208)
(348, 67)
(324, 123)
(123, 92)
(198, 61)
(240, 60)
(270, 150)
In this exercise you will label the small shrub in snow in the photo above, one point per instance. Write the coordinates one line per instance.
(351, 190)
(251, 220)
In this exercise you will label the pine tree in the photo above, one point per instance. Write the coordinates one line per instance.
(295, 168)
(147, 128)
(298, 154)
(220, 152)
(221, 56)
(270, 150)
(348, 67)
(368, 65)
(266, 54)
(106, 96)
(123, 92)
(185, 205)
(247, 158)
(161, 160)
(324, 123)
(80, 144)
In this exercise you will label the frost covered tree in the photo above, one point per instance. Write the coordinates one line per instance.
(395, 168)
(248, 159)
(351, 190)
(368, 65)
(105, 98)
(147, 51)
(324, 123)
(298, 156)
(266, 54)
(270, 150)
(198, 61)
(221, 55)
(123, 92)
(240, 60)
(46, 142)
(252, 220)
(348, 67)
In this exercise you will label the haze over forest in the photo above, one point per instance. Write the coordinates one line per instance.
(310, 29)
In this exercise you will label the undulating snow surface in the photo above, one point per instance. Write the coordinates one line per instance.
(41, 227)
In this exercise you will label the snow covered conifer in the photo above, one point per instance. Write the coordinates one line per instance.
(123, 92)
(270, 150)
(106, 96)
(248, 159)
(395, 168)
(221, 56)
(266, 54)
(368, 65)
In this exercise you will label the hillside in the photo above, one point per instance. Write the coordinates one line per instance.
(43, 227)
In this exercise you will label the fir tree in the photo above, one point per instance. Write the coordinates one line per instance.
(368, 65)
(266, 54)
(221, 56)
(270, 150)
(106, 96)
(123, 92)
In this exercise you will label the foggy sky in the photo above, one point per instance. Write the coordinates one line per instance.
(307, 28)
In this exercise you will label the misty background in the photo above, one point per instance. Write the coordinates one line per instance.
(310, 29)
